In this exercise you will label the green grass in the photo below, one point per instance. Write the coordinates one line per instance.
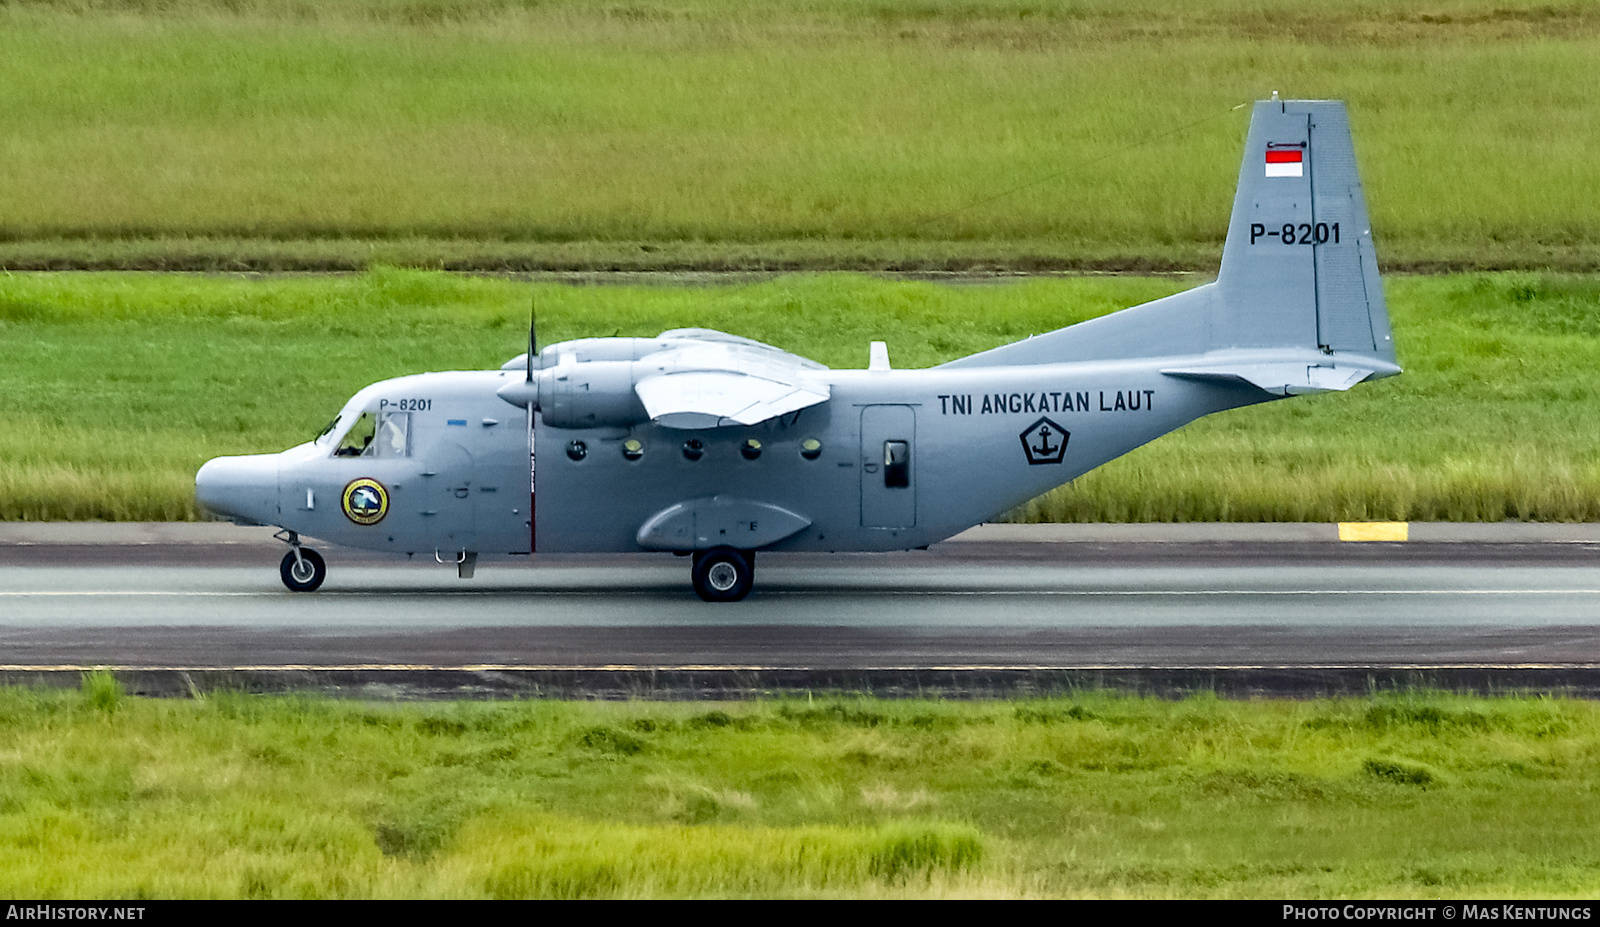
(216, 254)
(1407, 795)
(821, 134)
(116, 387)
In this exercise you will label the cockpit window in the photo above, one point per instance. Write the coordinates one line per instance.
(325, 429)
(374, 434)
(356, 441)
(394, 435)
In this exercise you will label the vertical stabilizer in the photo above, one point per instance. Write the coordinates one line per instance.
(1298, 268)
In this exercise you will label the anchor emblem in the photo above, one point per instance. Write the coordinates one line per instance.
(1045, 442)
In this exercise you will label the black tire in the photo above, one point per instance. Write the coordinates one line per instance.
(309, 576)
(723, 574)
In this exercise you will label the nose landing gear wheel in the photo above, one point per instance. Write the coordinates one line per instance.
(305, 573)
(723, 574)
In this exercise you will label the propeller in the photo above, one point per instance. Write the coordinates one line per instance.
(533, 340)
(526, 393)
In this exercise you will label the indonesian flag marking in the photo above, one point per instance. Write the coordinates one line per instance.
(1285, 162)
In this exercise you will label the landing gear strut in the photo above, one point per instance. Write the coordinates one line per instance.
(723, 574)
(302, 568)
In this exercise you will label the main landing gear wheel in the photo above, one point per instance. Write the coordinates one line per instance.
(723, 574)
(303, 573)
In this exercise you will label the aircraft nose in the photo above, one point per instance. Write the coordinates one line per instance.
(242, 489)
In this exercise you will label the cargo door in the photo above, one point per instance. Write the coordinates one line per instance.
(888, 466)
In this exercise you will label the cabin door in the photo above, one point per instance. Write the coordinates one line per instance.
(888, 466)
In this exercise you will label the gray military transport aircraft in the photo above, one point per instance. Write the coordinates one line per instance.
(713, 446)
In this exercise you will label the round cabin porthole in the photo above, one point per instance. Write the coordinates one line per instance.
(811, 448)
(632, 449)
(694, 449)
(577, 450)
(751, 448)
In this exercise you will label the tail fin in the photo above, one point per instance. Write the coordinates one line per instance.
(1298, 287)
(1298, 267)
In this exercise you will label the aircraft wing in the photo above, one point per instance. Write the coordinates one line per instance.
(709, 384)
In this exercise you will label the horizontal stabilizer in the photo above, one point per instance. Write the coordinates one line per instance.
(1287, 378)
(719, 521)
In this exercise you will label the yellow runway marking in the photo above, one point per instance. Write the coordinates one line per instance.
(1374, 530)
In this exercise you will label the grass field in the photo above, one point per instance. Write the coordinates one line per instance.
(821, 134)
(116, 387)
(1401, 796)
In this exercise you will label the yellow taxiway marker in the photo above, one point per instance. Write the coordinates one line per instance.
(1374, 530)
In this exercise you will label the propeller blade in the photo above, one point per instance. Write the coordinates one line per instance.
(533, 340)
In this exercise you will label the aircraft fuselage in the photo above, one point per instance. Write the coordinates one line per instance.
(972, 443)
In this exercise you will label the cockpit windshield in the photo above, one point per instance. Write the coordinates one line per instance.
(326, 430)
(358, 438)
(377, 434)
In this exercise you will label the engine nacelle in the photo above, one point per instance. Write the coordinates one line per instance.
(590, 395)
(594, 394)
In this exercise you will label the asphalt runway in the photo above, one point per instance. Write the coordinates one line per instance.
(1235, 609)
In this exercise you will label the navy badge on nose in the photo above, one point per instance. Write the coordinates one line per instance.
(365, 501)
